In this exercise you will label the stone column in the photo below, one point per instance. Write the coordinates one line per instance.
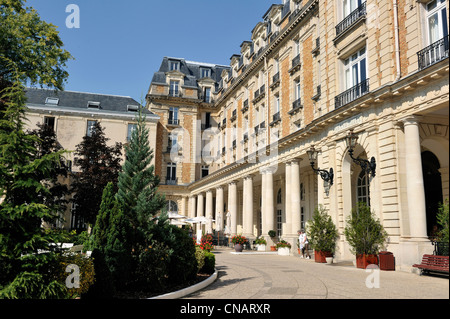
(295, 198)
(287, 225)
(200, 211)
(183, 209)
(232, 206)
(219, 208)
(268, 212)
(209, 210)
(414, 180)
(192, 207)
(248, 206)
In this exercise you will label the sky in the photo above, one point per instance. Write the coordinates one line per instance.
(119, 45)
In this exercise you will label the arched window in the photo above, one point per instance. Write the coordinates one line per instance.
(362, 189)
(171, 206)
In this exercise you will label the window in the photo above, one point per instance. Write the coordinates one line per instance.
(205, 170)
(171, 176)
(131, 128)
(355, 69)
(90, 128)
(174, 65)
(173, 116)
(173, 142)
(436, 20)
(205, 73)
(279, 197)
(279, 222)
(174, 88)
(171, 206)
(93, 105)
(277, 104)
(362, 189)
(297, 89)
(350, 6)
(52, 101)
(207, 96)
(49, 122)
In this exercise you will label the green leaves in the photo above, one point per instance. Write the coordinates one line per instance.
(321, 231)
(364, 231)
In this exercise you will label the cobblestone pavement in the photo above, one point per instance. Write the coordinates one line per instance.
(256, 276)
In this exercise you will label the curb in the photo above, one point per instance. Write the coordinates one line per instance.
(189, 290)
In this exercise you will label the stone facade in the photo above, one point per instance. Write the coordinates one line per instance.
(313, 71)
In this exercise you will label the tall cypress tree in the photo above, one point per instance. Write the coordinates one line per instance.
(138, 184)
(24, 270)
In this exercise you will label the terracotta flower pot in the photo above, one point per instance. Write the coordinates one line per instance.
(319, 256)
(238, 248)
(363, 260)
(273, 248)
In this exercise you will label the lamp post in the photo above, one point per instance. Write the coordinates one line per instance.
(368, 166)
(327, 176)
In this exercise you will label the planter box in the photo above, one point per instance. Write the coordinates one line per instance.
(283, 251)
(319, 256)
(261, 247)
(362, 261)
(273, 248)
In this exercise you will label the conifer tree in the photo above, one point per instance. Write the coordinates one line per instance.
(24, 269)
(138, 184)
(99, 164)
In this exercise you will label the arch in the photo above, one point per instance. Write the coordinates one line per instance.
(433, 189)
(172, 206)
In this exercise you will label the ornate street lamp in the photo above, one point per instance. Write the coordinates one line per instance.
(368, 166)
(327, 176)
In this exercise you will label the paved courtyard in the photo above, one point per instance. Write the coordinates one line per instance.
(255, 276)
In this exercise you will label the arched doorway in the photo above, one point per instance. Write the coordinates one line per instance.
(433, 188)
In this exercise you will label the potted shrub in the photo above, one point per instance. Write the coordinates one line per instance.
(272, 235)
(283, 248)
(365, 234)
(238, 242)
(322, 235)
(260, 244)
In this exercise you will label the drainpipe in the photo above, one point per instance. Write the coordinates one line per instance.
(397, 44)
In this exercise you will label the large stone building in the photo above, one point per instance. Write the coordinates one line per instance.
(235, 139)
(72, 116)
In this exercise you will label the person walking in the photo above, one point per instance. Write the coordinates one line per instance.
(303, 241)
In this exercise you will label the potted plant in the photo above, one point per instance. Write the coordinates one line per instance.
(283, 248)
(272, 235)
(322, 235)
(365, 234)
(261, 244)
(238, 242)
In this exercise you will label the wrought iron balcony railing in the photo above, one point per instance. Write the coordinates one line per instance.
(352, 94)
(351, 19)
(433, 53)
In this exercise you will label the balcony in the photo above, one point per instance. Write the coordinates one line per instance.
(259, 94)
(318, 93)
(295, 64)
(316, 50)
(433, 53)
(173, 122)
(355, 16)
(275, 118)
(296, 106)
(352, 94)
(233, 116)
(245, 107)
(171, 180)
(275, 81)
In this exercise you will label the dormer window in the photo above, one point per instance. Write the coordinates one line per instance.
(132, 108)
(205, 73)
(52, 101)
(174, 65)
(93, 105)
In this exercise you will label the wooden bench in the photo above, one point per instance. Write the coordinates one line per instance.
(433, 263)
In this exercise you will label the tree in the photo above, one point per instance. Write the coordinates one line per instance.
(25, 250)
(138, 184)
(99, 164)
(33, 45)
(322, 232)
(48, 144)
